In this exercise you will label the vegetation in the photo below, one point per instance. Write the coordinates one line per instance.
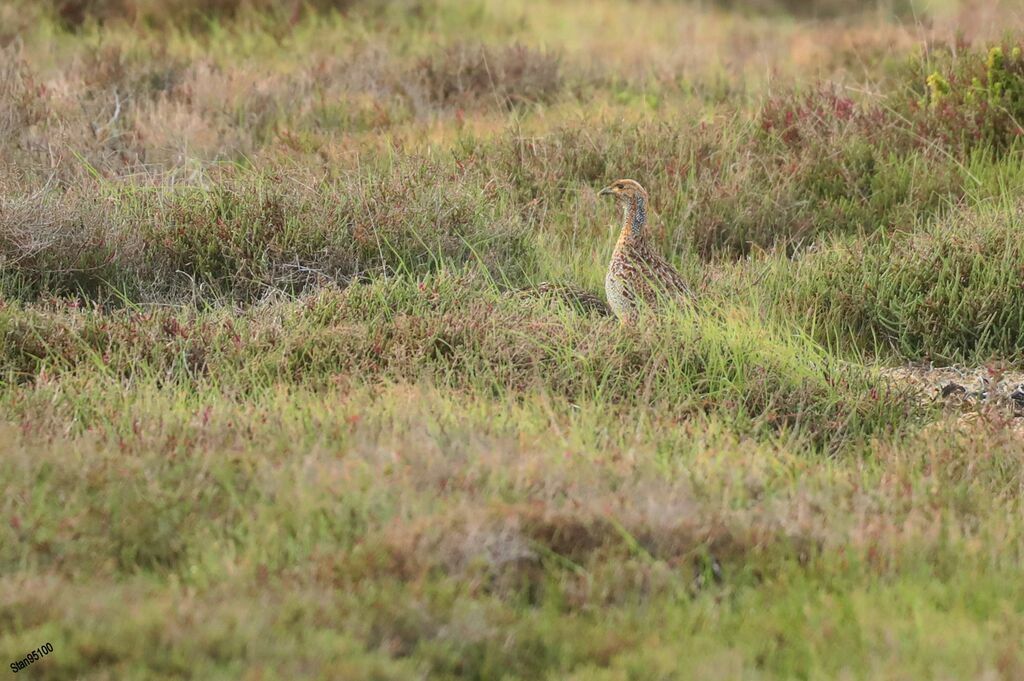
(276, 399)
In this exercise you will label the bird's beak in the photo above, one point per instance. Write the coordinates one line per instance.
(607, 191)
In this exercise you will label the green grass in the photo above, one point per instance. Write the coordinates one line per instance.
(554, 538)
(460, 334)
(274, 403)
(949, 290)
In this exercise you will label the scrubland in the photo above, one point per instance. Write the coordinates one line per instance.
(276, 400)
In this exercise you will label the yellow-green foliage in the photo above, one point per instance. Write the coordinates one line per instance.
(938, 87)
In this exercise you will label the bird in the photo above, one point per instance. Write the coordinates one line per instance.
(637, 275)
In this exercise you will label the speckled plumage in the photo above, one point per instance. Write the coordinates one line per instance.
(637, 274)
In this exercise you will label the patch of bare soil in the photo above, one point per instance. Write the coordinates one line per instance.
(972, 391)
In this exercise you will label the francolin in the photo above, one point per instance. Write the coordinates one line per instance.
(637, 275)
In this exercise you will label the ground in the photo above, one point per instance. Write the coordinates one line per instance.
(278, 398)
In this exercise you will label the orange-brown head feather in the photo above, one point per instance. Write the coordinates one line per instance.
(633, 200)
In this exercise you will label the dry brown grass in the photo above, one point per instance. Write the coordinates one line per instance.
(198, 14)
(514, 76)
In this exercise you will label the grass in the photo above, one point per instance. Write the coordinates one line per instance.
(276, 399)
(945, 291)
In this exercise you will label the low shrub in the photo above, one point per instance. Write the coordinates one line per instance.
(823, 8)
(198, 15)
(465, 75)
(972, 98)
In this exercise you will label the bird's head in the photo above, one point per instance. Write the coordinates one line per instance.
(625, 191)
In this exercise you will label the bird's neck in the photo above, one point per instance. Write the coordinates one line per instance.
(634, 224)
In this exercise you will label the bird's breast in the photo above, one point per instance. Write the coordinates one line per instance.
(615, 290)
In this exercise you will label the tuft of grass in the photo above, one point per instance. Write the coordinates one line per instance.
(249, 234)
(948, 290)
